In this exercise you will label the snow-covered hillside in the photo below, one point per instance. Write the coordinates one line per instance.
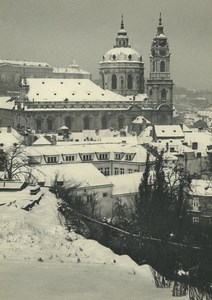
(39, 259)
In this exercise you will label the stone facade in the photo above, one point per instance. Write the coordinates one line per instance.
(159, 85)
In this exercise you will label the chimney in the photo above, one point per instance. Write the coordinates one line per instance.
(54, 140)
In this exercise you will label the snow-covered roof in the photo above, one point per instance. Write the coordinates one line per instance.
(42, 141)
(84, 174)
(24, 63)
(125, 184)
(125, 54)
(71, 69)
(169, 131)
(8, 138)
(141, 120)
(201, 187)
(52, 89)
(5, 103)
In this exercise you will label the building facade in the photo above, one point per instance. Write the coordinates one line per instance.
(122, 69)
(11, 72)
(160, 85)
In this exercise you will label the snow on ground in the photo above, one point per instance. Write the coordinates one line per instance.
(39, 259)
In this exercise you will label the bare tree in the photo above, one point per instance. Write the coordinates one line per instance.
(14, 162)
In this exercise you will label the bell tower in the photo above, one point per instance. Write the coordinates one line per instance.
(159, 84)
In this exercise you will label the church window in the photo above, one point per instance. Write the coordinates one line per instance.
(86, 123)
(38, 124)
(49, 124)
(68, 122)
(163, 94)
(162, 66)
(154, 66)
(104, 122)
(114, 82)
(122, 82)
(150, 92)
(114, 57)
(120, 122)
(130, 57)
(129, 82)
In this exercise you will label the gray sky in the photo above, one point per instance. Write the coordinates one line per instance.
(56, 31)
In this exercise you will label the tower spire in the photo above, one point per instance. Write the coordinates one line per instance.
(122, 22)
(160, 26)
(160, 20)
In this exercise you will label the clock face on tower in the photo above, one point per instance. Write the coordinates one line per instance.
(162, 52)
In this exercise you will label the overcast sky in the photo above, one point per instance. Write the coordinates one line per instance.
(56, 31)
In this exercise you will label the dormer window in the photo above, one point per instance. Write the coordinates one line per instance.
(119, 155)
(114, 57)
(129, 156)
(87, 156)
(102, 156)
(130, 57)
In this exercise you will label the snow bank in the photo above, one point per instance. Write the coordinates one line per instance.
(44, 261)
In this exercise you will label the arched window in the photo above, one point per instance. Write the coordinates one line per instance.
(104, 122)
(114, 82)
(154, 66)
(49, 124)
(86, 122)
(121, 122)
(122, 82)
(38, 124)
(68, 122)
(163, 94)
(162, 66)
(129, 82)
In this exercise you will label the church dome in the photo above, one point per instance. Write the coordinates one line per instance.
(122, 54)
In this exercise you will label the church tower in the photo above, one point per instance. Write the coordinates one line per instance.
(122, 68)
(159, 85)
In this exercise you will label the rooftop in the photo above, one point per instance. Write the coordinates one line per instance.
(52, 89)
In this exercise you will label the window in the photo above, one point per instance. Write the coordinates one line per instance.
(121, 122)
(49, 124)
(116, 171)
(129, 82)
(130, 171)
(51, 159)
(130, 57)
(86, 157)
(105, 194)
(70, 158)
(101, 170)
(163, 94)
(68, 122)
(104, 122)
(119, 156)
(89, 198)
(38, 123)
(199, 154)
(103, 156)
(107, 171)
(162, 66)
(121, 170)
(86, 122)
(195, 203)
(129, 156)
(114, 82)
(154, 66)
(195, 220)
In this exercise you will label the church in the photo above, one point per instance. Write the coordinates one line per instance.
(46, 104)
